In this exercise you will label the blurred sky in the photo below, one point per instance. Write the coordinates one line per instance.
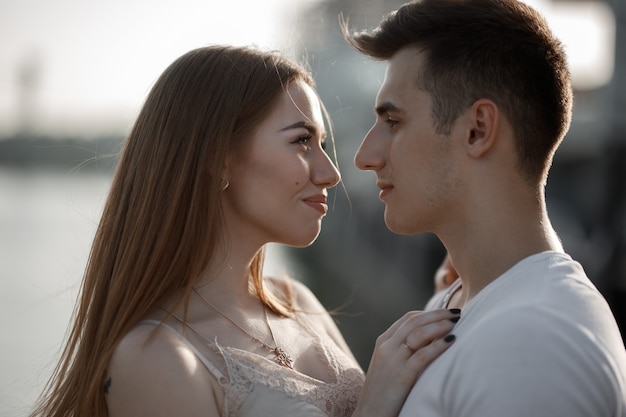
(89, 64)
(92, 62)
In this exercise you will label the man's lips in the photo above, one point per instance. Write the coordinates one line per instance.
(318, 202)
(385, 188)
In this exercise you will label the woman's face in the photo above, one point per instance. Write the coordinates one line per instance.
(279, 182)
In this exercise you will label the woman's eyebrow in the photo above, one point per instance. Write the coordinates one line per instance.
(301, 124)
(306, 125)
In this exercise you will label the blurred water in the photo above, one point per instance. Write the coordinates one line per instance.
(47, 222)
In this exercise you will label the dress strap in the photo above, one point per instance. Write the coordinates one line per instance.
(454, 287)
(207, 363)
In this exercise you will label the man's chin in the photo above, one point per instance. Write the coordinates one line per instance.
(396, 227)
(406, 226)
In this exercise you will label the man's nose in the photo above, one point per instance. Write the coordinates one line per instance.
(369, 156)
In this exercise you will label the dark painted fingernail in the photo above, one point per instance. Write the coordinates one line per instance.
(455, 310)
(455, 319)
(449, 338)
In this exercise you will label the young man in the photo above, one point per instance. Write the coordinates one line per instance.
(475, 101)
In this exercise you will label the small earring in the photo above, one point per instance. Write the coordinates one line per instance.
(224, 184)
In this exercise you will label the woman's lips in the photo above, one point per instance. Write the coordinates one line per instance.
(317, 202)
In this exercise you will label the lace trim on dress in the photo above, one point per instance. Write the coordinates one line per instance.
(244, 370)
(337, 399)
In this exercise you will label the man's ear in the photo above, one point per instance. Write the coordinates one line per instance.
(484, 118)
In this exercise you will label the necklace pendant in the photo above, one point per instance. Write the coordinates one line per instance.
(282, 358)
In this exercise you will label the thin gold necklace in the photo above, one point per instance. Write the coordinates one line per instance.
(281, 357)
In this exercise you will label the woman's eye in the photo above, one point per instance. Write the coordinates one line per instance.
(303, 140)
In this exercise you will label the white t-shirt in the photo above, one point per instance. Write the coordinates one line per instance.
(538, 341)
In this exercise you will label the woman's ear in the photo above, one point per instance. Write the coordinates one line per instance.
(484, 118)
(224, 178)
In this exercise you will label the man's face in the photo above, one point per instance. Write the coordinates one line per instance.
(414, 165)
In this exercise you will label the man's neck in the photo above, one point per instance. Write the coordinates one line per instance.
(489, 247)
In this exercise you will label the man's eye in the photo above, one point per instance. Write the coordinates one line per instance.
(391, 122)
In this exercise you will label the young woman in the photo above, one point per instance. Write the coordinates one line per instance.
(175, 317)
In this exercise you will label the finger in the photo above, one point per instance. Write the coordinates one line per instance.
(422, 336)
(445, 275)
(410, 322)
(422, 357)
(440, 278)
(391, 334)
(450, 276)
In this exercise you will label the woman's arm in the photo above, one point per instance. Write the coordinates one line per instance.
(159, 376)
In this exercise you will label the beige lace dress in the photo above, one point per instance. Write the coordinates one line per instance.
(257, 386)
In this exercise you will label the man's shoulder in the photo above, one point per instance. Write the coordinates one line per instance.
(552, 283)
(537, 344)
(542, 341)
(523, 359)
(564, 312)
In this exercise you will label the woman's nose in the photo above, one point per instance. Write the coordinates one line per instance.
(326, 173)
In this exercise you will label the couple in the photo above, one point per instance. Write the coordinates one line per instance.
(228, 154)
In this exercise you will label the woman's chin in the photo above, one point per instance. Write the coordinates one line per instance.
(301, 242)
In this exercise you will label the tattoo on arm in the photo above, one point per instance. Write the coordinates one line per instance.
(107, 385)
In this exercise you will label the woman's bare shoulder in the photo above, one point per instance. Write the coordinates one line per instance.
(302, 296)
(153, 371)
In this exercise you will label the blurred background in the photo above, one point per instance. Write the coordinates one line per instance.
(73, 74)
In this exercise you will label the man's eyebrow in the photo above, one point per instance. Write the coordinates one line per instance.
(385, 107)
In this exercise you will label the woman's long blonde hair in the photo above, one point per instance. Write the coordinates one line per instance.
(162, 221)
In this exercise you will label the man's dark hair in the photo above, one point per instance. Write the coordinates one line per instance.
(502, 50)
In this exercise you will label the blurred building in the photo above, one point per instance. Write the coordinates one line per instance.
(28, 82)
